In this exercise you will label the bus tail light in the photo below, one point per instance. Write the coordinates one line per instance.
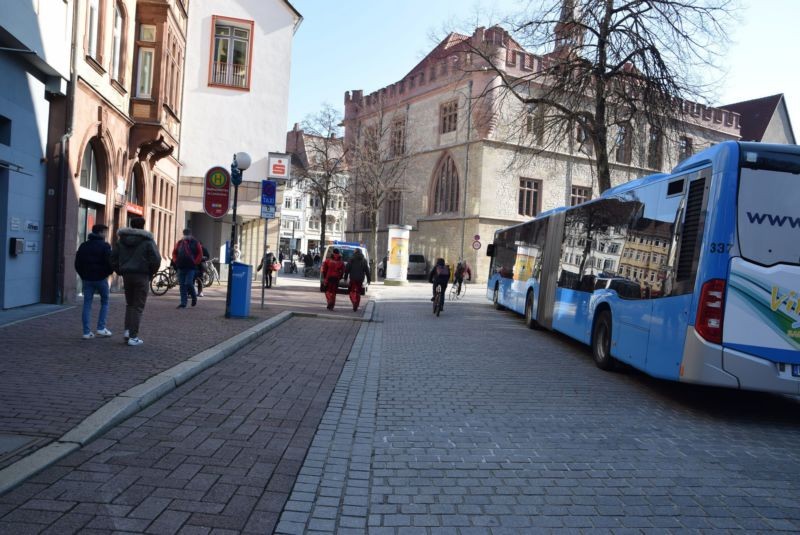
(711, 310)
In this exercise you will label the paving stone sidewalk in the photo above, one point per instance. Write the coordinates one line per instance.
(219, 454)
(471, 423)
(51, 379)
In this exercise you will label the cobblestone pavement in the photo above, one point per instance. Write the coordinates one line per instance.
(470, 423)
(51, 379)
(219, 454)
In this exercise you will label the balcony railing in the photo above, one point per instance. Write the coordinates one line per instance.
(229, 74)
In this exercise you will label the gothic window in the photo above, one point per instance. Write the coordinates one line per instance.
(398, 138)
(445, 187)
(448, 117)
(654, 148)
(530, 196)
(623, 142)
(393, 208)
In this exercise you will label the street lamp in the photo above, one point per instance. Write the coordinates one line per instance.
(241, 161)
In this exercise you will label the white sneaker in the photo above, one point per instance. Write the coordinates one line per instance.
(135, 341)
(104, 332)
(88, 336)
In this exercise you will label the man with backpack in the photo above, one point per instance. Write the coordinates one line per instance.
(439, 277)
(332, 271)
(187, 255)
(93, 264)
(462, 268)
(357, 270)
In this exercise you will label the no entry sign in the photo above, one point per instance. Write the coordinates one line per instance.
(217, 192)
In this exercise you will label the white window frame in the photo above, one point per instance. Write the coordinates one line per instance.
(149, 92)
(93, 27)
(116, 47)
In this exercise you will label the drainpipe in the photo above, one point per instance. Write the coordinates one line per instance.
(64, 175)
(466, 169)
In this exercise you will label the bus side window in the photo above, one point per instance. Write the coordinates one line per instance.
(490, 250)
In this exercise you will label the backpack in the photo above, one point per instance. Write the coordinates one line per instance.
(442, 272)
(186, 250)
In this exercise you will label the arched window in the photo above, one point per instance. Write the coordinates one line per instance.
(89, 175)
(445, 187)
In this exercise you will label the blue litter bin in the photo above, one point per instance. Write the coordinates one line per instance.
(240, 289)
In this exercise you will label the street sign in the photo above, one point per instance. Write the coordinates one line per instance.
(477, 237)
(267, 211)
(217, 192)
(279, 166)
(476, 245)
(269, 189)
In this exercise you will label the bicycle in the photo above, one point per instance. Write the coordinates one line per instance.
(210, 274)
(457, 293)
(164, 280)
(438, 300)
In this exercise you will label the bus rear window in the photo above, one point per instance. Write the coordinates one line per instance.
(768, 216)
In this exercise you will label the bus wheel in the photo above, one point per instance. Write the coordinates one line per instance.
(496, 299)
(601, 341)
(529, 321)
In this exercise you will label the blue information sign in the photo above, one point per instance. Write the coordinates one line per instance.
(269, 189)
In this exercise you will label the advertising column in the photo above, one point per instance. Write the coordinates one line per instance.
(397, 262)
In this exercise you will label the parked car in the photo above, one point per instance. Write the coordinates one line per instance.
(346, 250)
(417, 266)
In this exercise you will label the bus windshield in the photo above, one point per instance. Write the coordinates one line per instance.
(768, 213)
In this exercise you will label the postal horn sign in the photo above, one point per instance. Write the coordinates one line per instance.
(217, 192)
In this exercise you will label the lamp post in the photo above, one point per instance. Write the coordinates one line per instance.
(241, 161)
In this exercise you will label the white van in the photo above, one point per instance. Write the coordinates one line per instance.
(346, 249)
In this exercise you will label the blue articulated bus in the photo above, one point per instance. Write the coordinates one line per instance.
(690, 276)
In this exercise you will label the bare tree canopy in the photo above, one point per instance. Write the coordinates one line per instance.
(608, 67)
(378, 160)
(320, 160)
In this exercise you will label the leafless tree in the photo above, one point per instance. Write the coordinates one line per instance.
(378, 161)
(321, 164)
(608, 68)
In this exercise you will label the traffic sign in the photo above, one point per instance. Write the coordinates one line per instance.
(217, 192)
(476, 245)
(269, 189)
(279, 166)
(267, 211)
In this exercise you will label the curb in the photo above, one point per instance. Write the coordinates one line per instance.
(130, 402)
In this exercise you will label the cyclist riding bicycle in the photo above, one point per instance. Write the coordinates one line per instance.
(461, 269)
(439, 277)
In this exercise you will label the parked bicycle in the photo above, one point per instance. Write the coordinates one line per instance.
(164, 280)
(210, 274)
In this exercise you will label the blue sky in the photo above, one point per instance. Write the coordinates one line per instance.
(367, 44)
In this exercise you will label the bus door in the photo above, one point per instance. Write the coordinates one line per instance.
(681, 210)
(762, 307)
(549, 276)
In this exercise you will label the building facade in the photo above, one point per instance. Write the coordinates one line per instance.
(235, 100)
(35, 67)
(478, 163)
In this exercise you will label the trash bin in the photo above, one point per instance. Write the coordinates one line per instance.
(240, 289)
(287, 266)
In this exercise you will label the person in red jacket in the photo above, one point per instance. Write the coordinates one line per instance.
(187, 255)
(332, 271)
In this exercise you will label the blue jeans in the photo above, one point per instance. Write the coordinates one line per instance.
(186, 283)
(89, 288)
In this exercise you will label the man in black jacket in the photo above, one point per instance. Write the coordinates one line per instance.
(93, 264)
(137, 259)
(357, 270)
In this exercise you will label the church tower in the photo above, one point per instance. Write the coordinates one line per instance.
(568, 33)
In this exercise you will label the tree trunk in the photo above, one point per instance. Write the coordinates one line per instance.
(323, 224)
(373, 232)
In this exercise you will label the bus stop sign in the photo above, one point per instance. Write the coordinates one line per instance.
(217, 192)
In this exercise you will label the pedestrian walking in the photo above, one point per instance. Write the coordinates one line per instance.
(270, 265)
(237, 253)
(136, 258)
(187, 255)
(357, 270)
(201, 269)
(332, 271)
(93, 264)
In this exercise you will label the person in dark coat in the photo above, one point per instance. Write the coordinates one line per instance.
(439, 277)
(356, 271)
(93, 264)
(137, 259)
(187, 255)
(201, 269)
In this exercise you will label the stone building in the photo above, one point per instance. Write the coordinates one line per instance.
(471, 173)
(236, 99)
